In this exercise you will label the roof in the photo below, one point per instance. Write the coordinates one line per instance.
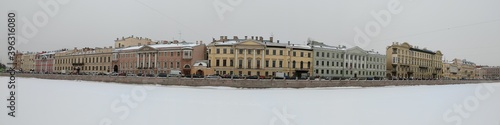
(158, 46)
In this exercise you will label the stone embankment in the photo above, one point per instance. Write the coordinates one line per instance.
(250, 83)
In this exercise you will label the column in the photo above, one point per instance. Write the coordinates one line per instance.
(156, 63)
(262, 65)
(143, 60)
(149, 59)
(245, 59)
(235, 59)
(254, 63)
(137, 65)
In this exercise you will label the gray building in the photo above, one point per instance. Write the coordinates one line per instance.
(337, 62)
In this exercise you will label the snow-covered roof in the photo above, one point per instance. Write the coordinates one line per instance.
(157, 46)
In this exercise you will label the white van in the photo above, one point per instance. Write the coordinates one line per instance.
(175, 73)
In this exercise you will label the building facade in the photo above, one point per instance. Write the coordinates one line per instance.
(405, 61)
(254, 56)
(85, 60)
(158, 58)
(492, 72)
(17, 61)
(44, 62)
(332, 62)
(459, 69)
(28, 62)
(132, 41)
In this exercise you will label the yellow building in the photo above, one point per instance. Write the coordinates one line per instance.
(255, 56)
(405, 61)
(85, 60)
(459, 69)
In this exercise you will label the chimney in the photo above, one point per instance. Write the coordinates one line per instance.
(278, 41)
(117, 39)
(288, 42)
(271, 39)
(196, 42)
(235, 37)
(262, 39)
(252, 37)
(225, 38)
(201, 42)
(246, 37)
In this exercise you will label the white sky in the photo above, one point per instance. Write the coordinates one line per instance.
(459, 28)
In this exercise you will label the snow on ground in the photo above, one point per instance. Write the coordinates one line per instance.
(61, 102)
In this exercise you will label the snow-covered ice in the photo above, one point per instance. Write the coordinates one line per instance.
(62, 102)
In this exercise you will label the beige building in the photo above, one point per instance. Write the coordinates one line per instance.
(254, 56)
(28, 62)
(85, 60)
(405, 61)
(132, 41)
(459, 69)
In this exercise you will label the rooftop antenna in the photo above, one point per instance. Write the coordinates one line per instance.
(180, 35)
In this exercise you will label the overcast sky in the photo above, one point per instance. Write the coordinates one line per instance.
(467, 29)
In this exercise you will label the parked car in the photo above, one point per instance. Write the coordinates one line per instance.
(130, 74)
(213, 77)
(139, 74)
(162, 75)
(114, 74)
(150, 75)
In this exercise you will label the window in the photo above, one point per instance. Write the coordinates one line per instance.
(224, 51)
(301, 54)
(309, 55)
(267, 63)
(249, 64)
(267, 52)
(274, 52)
(231, 51)
(178, 53)
(240, 63)
(249, 51)
(274, 63)
(217, 51)
(231, 63)
(178, 64)
(171, 65)
(293, 64)
(317, 54)
(258, 64)
(224, 62)
(294, 53)
(281, 52)
(322, 54)
(258, 52)
(281, 64)
(241, 51)
(217, 62)
(171, 54)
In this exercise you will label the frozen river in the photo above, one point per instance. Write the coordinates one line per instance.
(61, 102)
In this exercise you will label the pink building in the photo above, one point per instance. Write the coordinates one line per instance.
(158, 58)
(44, 62)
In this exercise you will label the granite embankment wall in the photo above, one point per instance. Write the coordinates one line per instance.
(250, 83)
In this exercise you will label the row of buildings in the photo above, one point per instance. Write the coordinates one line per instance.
(253, 56)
